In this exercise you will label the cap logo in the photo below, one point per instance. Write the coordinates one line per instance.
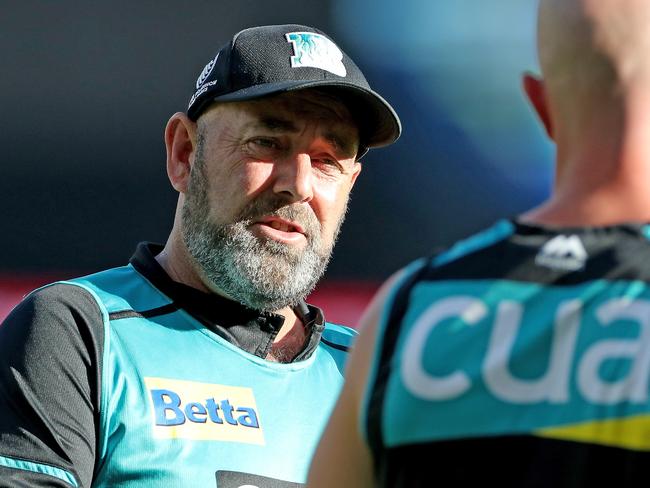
(315, 51)
(200, 92)
(206, 72)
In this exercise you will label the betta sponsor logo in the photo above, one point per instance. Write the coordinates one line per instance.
(193, 410)
(170, 411)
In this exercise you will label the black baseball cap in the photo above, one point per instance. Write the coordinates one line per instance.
(272, 59)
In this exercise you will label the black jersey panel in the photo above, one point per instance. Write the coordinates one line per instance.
(610, 253)
(513, 462)
(376, 405)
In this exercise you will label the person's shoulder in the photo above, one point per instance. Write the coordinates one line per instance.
(58, 296)
(51, 349)
(53, 321)
(59, 305)
(478, 241)
(123, 288)
(106, 279)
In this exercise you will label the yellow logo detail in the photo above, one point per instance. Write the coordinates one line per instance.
(203, 411)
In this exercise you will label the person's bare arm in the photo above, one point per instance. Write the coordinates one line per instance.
(343, 458)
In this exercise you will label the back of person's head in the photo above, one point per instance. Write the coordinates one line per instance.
(592, 53)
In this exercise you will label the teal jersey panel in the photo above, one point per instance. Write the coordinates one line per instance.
(477, 358)
(182, 407)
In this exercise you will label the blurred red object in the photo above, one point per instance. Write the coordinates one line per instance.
(14, 288)
(342, 301)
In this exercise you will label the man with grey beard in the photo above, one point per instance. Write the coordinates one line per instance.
(263, 274)
(200, 362)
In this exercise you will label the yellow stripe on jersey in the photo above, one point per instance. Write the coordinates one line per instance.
(628, 433)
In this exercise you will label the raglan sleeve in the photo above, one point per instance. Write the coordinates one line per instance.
(50, 369)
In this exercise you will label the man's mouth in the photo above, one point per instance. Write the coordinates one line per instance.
(283, 225)
(279, 229)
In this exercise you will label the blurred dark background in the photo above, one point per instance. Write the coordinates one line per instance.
(88, 86)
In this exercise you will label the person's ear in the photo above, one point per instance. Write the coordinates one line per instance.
(356, 171)
(180, 142)
(536, 92)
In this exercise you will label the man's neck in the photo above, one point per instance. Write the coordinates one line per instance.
(290, 339)
(609, 204)
(175, 260)
(603, 175)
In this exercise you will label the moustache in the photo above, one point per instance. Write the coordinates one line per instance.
(301, 214)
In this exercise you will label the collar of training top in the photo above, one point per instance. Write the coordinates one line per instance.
(250, 330)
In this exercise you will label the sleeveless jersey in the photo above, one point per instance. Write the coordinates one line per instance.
(520, 356)
(222, 417)
(181, 406)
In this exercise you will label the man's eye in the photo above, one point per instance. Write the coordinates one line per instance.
(265, 142)
(263, 147)
(327, 163)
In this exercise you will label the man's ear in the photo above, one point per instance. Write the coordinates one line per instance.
(180, 142)
(536, 92)
(356, 171)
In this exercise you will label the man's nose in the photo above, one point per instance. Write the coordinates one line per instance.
(293, 178)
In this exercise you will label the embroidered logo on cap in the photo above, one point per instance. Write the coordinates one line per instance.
(206, 72)
(315, 51)
(200, 92)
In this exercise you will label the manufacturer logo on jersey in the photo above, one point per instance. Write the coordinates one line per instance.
(563, 252)
(192, 410)
(315, 51)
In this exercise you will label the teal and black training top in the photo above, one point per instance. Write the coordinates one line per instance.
(518, 358)
(126, 378)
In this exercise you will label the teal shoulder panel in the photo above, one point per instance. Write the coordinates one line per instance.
(339, 335)
(337, 340)
(124, 288)
(645, 230)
